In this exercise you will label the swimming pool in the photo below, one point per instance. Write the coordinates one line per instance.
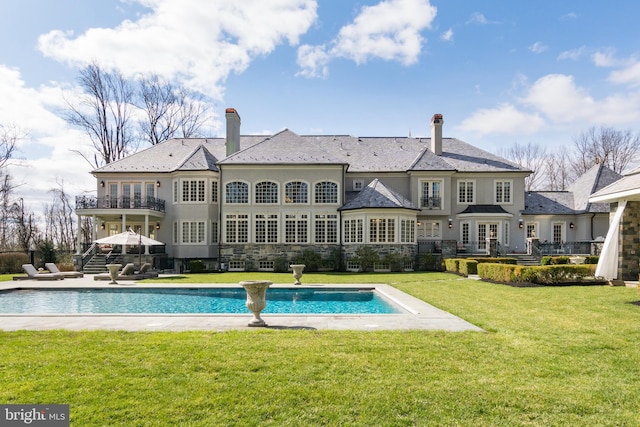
(193, 300)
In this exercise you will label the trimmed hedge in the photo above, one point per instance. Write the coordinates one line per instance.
(468, 266)
(542, 275)
(452, 265)
(11, 262)
(565, 259)
(503, 260)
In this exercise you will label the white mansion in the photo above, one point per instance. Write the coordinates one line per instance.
(246, 201)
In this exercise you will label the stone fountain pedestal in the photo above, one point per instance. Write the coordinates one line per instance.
(113, 272)
(297, 272)
(256, 299)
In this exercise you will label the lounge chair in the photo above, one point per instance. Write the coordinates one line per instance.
(66, 274)
(145, 271)
(128, 272)
(32, 273)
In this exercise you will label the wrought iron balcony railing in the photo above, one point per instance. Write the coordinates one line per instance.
(106, 202)
(431, 202)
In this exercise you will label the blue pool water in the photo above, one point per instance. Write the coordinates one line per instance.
(201, 300)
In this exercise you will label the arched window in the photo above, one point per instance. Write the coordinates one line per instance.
(296, 192)
(237, 192)
(266, 192)
(326, 192)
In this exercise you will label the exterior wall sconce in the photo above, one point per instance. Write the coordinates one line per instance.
(157, 226)
(157, 183)
(450, 223)
(520, 223)
(102, 184)
(418, 223)
(571, 225)
(102, 227)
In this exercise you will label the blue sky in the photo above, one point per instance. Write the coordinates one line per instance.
(501, 72)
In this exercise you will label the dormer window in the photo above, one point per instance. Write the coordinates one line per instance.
(358, 184)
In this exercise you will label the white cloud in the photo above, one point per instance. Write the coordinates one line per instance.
(569, 16)
(447, 35)
(477, 18)
(389, 30)
(573, 54)
(45, 155)
(605, 58)
(202, 42)
(629, 75)
(555, 102)
(538, 47)
(505, 119)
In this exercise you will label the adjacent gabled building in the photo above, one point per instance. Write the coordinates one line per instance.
(244, 202)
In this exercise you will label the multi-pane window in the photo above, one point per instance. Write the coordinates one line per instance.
(326, 227)
(433, 230)
(296, 228)
(176, 196)
(266, 228)
(431, 196)
(237, 228)
(296, 192)
(465, 191)
(193, 190)
(505, 234)
(214, 232)
(237, 192)
(353, 231)
(503, 191)
(193, 232)
(214, 191)
(150, 192)
(532, 229)
(465, 233)
(175, 233)
(381, 230)
(407, 231)
(326, 192)
(558, 232)
(266, 192)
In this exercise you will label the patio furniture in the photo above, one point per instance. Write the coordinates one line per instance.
(66, 274)
(128, 273)
(32, 273)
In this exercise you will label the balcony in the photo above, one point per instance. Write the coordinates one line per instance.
(431, 202)
(92, 202)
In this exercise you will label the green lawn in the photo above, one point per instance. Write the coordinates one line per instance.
(556, 356)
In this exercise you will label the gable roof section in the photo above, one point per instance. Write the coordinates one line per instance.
(548, 203)
(625, 187)
(593, 180)
(464, 157)
(173, 154)
(378, 195)
(201, 159)
(285, 147)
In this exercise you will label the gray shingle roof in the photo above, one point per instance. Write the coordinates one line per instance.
(628, 185)
(378, 195)
(548, 203)
(361, 154)
(596, 178)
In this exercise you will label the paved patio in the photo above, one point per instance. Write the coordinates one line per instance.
(416, 313)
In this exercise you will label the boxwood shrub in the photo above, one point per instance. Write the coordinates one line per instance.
(452, 265)
(468, 266)
(542, 275)
(502, 260)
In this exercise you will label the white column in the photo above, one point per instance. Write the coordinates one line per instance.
(78, 236)
(146, 232)
(124, 224)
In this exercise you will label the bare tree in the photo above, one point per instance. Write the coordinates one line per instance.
(59, 223)
(531, 157)
(557, 170)
(170, 111)
(104, 113)
(26, 229)
(614, 148)
(10, 135)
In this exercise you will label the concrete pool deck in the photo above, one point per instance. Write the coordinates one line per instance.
(417, 314)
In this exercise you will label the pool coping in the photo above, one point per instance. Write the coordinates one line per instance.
(417, 315)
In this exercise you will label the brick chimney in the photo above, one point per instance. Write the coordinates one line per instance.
(436, 134)
(233, 131)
